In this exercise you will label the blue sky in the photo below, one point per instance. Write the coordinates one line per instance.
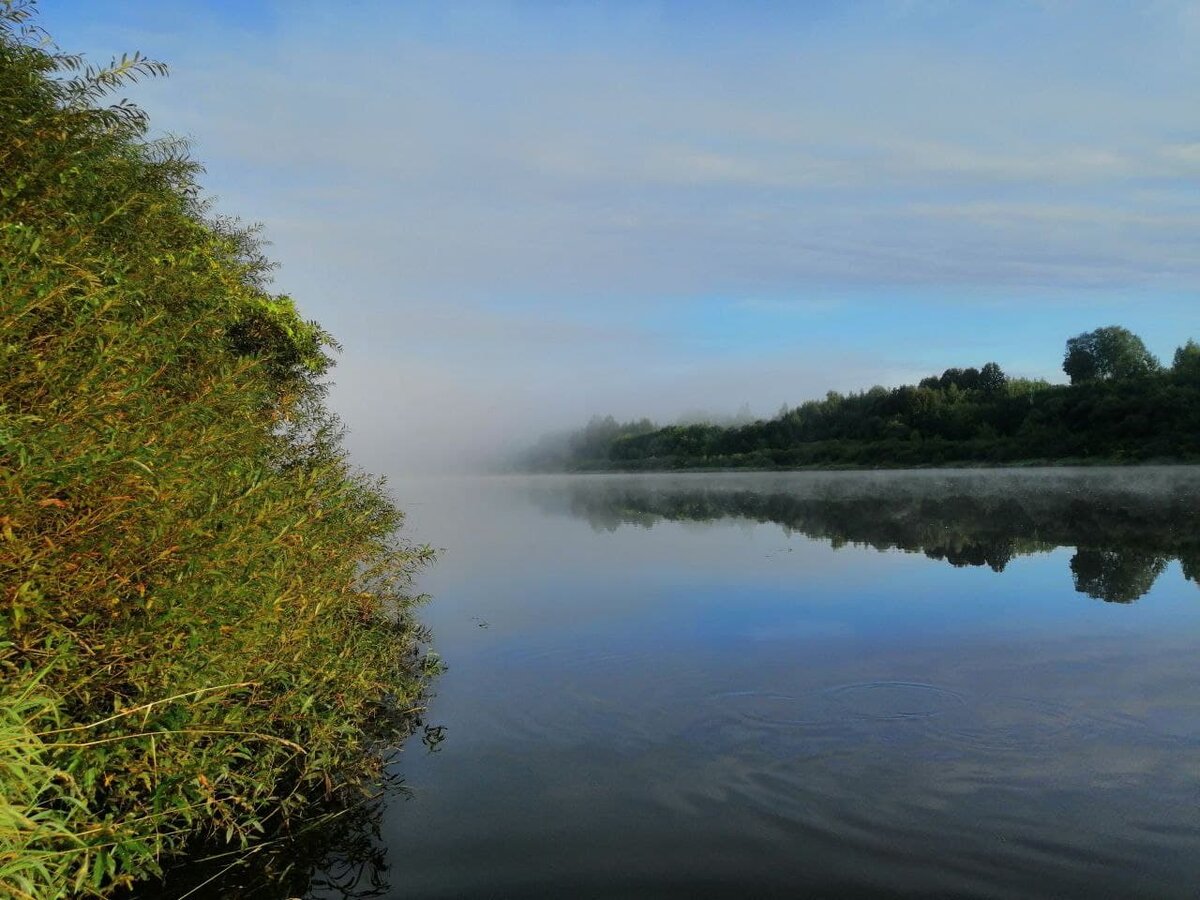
(516, 215)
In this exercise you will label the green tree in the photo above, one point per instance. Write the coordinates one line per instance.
(992, 380)
(1107, 353)
(1187, 359)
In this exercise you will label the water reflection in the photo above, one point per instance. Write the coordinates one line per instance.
(651, 693)
(335, 854)
(1125, 528)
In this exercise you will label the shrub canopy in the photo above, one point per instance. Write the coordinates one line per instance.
(202, 604)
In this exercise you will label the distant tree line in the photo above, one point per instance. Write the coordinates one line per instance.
(1121, 405)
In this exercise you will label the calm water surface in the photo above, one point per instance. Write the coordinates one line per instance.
(807, 685)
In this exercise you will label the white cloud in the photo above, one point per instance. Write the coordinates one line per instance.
(488, 209)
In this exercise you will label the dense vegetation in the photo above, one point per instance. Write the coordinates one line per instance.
(1121, 406)
(204, 613)
(1124, 532)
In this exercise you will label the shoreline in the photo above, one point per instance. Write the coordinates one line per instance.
(851, 467)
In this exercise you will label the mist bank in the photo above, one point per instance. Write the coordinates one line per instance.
(1121, 406)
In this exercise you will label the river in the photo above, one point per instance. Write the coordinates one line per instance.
(954, 683)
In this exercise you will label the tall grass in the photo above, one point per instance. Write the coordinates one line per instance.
(204, 610)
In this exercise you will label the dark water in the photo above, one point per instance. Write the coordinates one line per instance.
(806, 685)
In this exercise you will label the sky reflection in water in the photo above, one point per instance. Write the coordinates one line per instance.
(718, 685)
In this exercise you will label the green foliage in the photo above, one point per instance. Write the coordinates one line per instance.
(1111, 352)
(1133, 411)
(203, 610)
(992, 380)
(1187, 360)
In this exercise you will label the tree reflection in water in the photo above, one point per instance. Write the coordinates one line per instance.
(1125, 525)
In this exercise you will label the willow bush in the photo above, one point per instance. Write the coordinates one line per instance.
(205, 610)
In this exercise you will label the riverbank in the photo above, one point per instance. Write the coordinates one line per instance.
(207, 621)
(1081, 462)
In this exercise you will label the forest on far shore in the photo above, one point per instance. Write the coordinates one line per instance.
(1122, 406)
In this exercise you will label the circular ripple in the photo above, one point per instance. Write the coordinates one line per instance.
(1026, 724)
(769, 708)
(884, 700)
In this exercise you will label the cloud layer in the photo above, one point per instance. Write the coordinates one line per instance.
(516, 215)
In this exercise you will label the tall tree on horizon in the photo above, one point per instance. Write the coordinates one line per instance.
(1107, 353)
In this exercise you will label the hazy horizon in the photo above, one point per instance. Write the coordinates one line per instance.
(516, 216)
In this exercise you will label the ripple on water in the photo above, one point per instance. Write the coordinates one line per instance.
(884, 700)
(873, 700)
(809, 762)
(941, 714)
(773, 709)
